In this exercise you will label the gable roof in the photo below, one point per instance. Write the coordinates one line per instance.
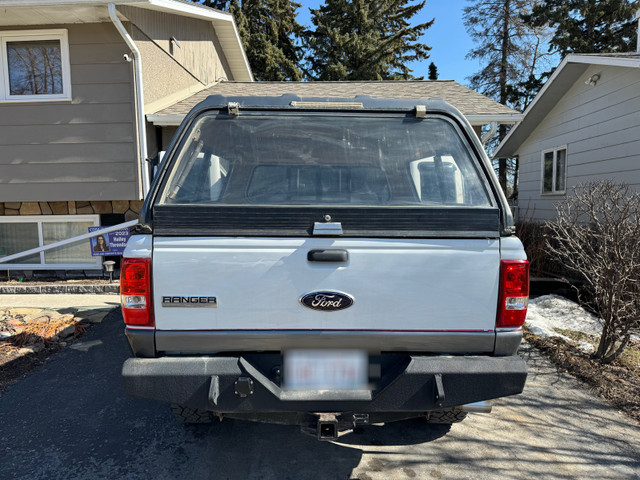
(51, 12)
(567, 73)
(478, 108)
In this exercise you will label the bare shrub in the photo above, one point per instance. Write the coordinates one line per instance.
(596, 236)
(533, 237)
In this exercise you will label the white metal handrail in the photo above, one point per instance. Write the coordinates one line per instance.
(61, 243)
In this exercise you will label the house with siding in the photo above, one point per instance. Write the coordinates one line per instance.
(89, 89)
(77, 81)
(583, 125)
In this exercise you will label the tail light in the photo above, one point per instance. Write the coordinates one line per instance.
(514, 293)
(135, 291)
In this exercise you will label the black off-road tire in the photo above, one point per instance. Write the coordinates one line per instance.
(190, 416)
(446, 417)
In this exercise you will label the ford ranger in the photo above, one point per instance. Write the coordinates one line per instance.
(327, 263)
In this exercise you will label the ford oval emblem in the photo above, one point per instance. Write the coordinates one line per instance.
(327, 301)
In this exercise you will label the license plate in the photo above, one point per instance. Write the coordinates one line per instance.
(326, 370)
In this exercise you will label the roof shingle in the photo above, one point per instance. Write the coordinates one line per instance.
(468, 101)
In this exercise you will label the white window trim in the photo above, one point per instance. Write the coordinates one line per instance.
(40, 219)
(26, 35)
(555, 151)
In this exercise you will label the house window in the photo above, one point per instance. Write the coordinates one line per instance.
(21, 233)
(554, 171)
(34, 65)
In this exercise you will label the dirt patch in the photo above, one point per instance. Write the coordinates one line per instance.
(29, 336)
(618, 383)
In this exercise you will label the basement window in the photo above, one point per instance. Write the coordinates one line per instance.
(22, 233)
(554, 171)
(34, 65)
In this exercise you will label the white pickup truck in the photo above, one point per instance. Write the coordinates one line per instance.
(326, 263)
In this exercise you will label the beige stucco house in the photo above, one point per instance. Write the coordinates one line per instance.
(78, 79)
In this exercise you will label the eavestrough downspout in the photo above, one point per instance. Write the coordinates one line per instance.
(637, 16)
(137, 63)
(492, 131)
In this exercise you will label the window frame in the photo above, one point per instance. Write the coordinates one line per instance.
(182, 137)
(555, 151)
(7, 36)
(39, 220)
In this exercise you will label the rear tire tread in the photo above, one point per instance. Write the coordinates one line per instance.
(446, 416)
(189, 416)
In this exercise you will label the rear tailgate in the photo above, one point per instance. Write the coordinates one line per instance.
(418, 286)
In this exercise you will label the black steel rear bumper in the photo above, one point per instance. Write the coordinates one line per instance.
(242, 384)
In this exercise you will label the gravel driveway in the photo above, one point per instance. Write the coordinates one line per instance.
(70, 419)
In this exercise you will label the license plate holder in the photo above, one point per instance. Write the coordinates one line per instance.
(326, 370)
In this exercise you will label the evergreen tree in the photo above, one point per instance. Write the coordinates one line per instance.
(588, 26)
(217, 4)
(364, 40)
(433, 71)
(268, 29)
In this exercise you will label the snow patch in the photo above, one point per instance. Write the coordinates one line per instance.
(549, 312)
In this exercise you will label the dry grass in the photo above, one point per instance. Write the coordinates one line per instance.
(45, 331)
(630, 357)
(618, 382)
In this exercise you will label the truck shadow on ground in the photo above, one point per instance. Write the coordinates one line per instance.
(70, 418)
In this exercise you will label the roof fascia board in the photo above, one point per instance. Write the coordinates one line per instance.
(244, 54)
(47, 3)
(166, 120)
(174, 98)
(502, 118)
(632, 62)
(185, 9)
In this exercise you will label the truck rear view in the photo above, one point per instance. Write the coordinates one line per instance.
(324, 263)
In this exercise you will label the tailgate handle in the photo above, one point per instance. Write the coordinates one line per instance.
(332, 255)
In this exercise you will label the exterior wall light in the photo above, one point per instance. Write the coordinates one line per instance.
(592, 80)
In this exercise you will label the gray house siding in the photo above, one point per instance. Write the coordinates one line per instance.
(600, 127)
(168, 67)
(83, 149)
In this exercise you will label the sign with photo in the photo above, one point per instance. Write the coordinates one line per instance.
(107, 244)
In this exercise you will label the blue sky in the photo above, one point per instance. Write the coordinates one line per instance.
(447, 37)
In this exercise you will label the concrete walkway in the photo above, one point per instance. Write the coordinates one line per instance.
(60, 301)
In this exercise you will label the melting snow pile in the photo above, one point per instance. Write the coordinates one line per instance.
(549, 312)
